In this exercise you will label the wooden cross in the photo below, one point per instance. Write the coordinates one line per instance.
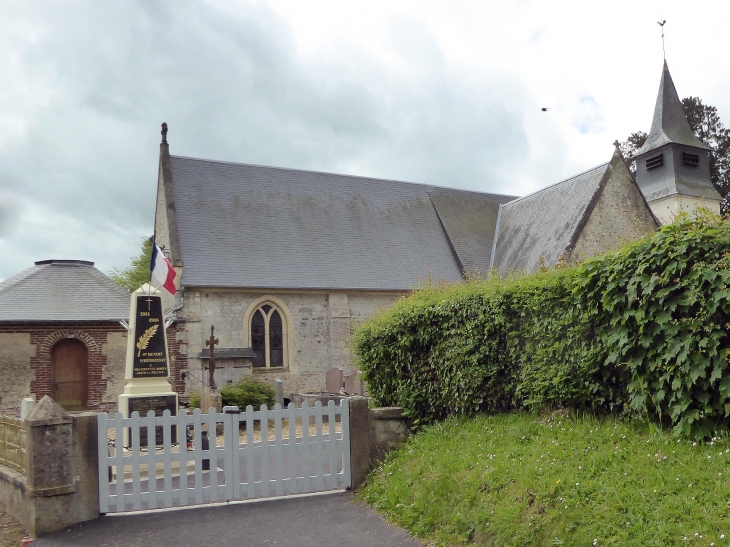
(212, 342)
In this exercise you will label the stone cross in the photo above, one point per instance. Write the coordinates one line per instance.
(212, 342)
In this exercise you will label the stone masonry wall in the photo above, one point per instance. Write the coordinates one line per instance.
(16, 352)
(319, 329)
(620, 216)
(25, 359)
(667, 209)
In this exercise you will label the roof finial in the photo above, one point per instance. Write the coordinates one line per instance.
(164, 132)
(661, 24)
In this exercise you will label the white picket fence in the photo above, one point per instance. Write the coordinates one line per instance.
(242, 468)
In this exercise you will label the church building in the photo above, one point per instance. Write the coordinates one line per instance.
(284, 262)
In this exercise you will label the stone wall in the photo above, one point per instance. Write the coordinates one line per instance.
(667, 209)
(318, 332)
(25, 360)
(16, 352)
(620, 216)
(373, 432)
(59, 485)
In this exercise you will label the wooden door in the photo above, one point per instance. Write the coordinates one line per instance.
(69, 380)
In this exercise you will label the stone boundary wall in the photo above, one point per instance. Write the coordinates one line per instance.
(12, 443)
(373, 432)
(59, 485)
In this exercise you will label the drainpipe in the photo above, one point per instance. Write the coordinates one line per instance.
(170, 317)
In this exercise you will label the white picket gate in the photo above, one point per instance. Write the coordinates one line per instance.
(300, 450)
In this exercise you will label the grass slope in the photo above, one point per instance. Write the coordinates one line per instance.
(520, 479)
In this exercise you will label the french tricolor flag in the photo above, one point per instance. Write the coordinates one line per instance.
(162, 270)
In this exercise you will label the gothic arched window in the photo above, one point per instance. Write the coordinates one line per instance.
(268, 336)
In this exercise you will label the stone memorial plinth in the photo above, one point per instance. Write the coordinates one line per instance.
(147, 369)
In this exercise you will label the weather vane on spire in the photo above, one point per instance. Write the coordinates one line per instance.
(661, 24)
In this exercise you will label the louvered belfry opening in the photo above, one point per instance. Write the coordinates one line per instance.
(654, 162)
(693, 160)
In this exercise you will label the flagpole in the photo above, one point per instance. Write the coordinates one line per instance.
(154, 242)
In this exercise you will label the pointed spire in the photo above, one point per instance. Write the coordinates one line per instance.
(670, 123)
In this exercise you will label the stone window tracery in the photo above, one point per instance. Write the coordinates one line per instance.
(267, 328)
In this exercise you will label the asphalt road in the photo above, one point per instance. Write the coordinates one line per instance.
(336, 519)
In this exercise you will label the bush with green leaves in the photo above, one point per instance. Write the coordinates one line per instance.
(643, 329)
(663, 311)
(248, 391)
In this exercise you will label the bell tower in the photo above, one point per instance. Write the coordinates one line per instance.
(673, 166)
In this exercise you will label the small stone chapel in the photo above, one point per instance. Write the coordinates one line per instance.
(284, 262)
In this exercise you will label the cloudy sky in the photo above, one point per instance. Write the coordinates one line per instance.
(446, 93)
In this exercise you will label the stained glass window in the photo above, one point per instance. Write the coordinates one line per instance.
(258, 339)
(268, 337)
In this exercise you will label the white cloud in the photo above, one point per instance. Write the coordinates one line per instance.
(418, 90)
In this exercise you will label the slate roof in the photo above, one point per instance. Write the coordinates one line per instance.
(245, 225)
(541, 225)
(62, 290)
(469, 219)
(670, 122)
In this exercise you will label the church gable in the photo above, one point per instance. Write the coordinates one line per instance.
(619, 215)
(539, 229)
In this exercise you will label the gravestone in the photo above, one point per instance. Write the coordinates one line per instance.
(353, 384)
(334, 380)
(147, 369)
(278, 386)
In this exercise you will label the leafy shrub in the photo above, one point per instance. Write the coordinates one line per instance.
(642, 328)
(560, 359)
(663, 310)
(195, 400)
(248, 391)
(439, 353)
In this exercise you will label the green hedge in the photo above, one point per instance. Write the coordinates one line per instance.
(643, 329)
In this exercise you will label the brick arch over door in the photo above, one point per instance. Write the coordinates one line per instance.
(95, 359)
(70, 374)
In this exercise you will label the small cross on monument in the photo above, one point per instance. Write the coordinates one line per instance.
(212, 342)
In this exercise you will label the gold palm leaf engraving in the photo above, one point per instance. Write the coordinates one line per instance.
(144, 340)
